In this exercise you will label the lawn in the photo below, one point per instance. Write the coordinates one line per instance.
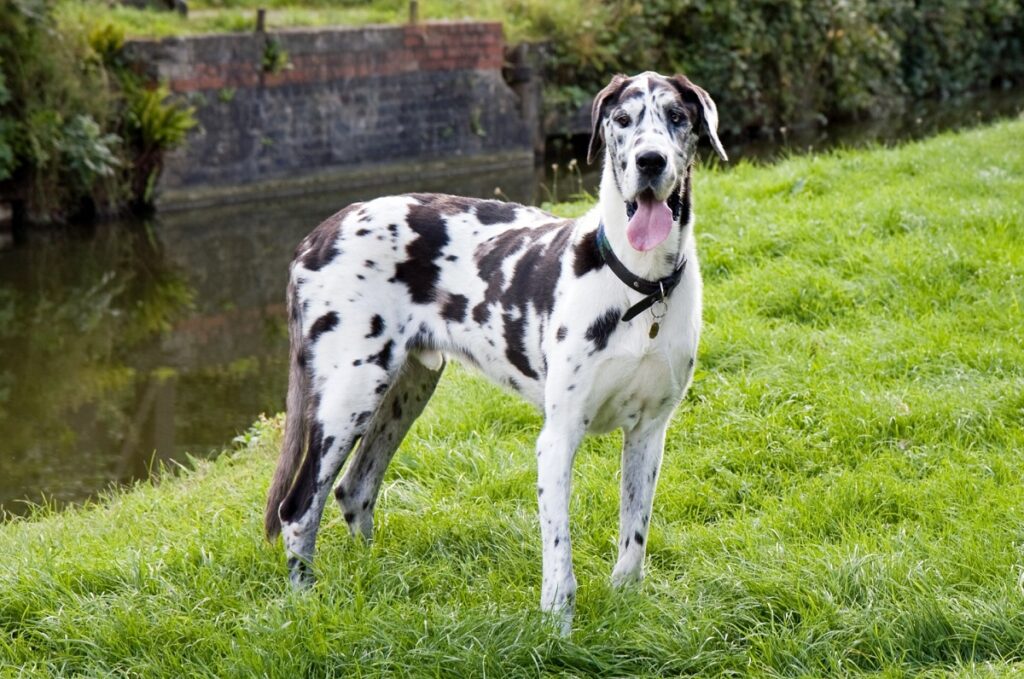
(842, 492)
(233, 16)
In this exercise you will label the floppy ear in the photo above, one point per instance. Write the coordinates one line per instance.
(597, 113)
(709, 112)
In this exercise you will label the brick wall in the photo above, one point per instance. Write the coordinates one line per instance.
(348, 99)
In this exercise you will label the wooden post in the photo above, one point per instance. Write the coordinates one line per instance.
(261, 20)
(414, 11)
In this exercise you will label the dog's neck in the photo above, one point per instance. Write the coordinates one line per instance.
(659, 261)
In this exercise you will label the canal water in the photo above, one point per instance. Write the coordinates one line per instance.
(133, 344)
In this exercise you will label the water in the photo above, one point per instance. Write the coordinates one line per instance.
(142, 342)
(138, 343)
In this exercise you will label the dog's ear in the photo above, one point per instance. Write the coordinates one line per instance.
(603, 99)
(709, 112)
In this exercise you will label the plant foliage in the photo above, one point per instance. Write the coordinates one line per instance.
(785, 61)
(75, 128)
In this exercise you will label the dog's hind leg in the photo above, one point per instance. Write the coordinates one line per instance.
(402, 404)
(642, 450)
(340, 412)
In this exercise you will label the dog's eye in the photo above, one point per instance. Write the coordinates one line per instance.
(676, 116)
(622, 120)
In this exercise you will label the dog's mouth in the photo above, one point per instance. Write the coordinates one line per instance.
(650, 219)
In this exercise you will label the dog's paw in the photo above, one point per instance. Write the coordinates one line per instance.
(560, 609)
(627, 575)
(300, 573)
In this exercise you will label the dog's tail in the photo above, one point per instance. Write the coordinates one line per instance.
(295, 419)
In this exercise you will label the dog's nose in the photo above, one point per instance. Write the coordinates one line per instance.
(651, 163)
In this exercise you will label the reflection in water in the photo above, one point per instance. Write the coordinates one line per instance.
(141, 343)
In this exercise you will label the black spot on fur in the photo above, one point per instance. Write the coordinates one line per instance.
(540, 491)
(515, 345)
(481, 313)
(444, 203)
(363, 232)
(396, 409)
(419, 271)
(383, 357)
(495, 212)
(562, 332)
(376, 326)
(586, 258)
(455, 308)
(452, 258)
(691, 362)
(369, 264)
(603, 327)
(363, 417)
(381, 388)
(557, 541)
(639, 539)
(536, 273)
(320, 246)
(489, 259)
(533, 283)
(325, 323)
(366, 505)
(350, 517)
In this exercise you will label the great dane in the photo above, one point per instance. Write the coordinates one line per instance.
(594, 320)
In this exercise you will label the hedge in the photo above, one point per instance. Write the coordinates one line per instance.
(775, 62)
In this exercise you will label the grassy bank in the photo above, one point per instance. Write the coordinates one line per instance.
(842, 490)
(212, 16)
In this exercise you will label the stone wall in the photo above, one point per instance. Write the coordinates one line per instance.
(281, 111)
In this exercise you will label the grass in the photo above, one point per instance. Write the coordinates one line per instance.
(842, 493)
(234, 16)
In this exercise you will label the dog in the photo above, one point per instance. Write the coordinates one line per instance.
(595, 321)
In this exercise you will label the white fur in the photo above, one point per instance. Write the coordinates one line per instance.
(634, 382)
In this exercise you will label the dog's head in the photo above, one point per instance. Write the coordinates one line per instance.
(649, 125)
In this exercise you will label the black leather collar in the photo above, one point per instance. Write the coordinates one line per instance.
(655, 291)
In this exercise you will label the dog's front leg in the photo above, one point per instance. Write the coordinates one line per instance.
(556, 448)
(641, 460)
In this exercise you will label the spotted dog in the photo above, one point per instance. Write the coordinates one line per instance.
(594, 320)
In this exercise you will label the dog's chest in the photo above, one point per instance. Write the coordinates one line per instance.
(639, 379)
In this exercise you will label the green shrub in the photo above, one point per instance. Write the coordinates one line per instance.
(153, 125)
(786, 61)
(76, 131)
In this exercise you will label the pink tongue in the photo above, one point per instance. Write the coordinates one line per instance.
(650, 225)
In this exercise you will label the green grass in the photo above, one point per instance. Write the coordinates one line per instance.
(522, 18)
(842, 492)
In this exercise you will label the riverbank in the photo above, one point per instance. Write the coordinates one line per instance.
(842, 490)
